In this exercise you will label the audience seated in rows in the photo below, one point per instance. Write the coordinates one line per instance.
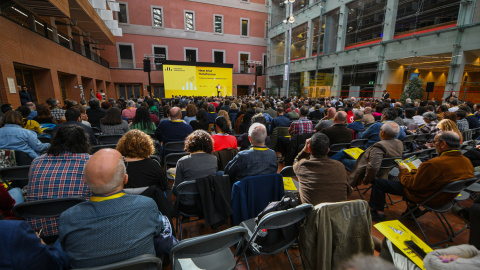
(173, 130)
(73, 117)
(372, 133)
(113, 123)
(95, 113)
(142, 121)
(222, 140)
(357, 124)
(112, 226)
(338, 132)
(136, 147)
(321, 179)
(15, 137)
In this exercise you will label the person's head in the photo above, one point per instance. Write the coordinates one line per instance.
(69, 138)
(43, 112)
(442, 108)
(233, 106)
(73, 115)
(408, 100)
(202, 116)
(24, 110)
(367, 110)
(6, 107)
(389, 130)
(461, 114)
(24, 88)
(319, 145)
(83, 112)
(280, 110)
(142, 116)
(389, 114)
(257, 133)
(105, 172)
(450, 115)
(12, 117)
(211, 108)
(304, 111)
(259, 118)
(199, 140)
(31, 106)
(225, 114)
(175, 113)
(331, 112)
(243, 107)
(94, 103)
(366, 262)
(106, 105)
(446, 140)
(112, 117)
(130, 103)
(453, 102)
(358, 115)
(136, 144)
(429, 116)
(449, 125)
(191, 110)
(340, 117)
(221, 125)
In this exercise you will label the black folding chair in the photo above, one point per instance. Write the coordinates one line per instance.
(360, 143)
(407, 143)
(45, 208)
(207, 251)
(142, 262)
(454, 187)
(288, 172)
(188, 188)
(18, 175)
(171, 162)
(422, 138)
(271, 221)
(173, 147)
(109, 139)
(44, 139)
(95, 148)
(335, 148)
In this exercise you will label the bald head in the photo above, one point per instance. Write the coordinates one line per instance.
(105, 172)
(340, 117)
(331, 112)
(175, 113)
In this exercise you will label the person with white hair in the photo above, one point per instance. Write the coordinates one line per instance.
(258, 160)
(130, 111)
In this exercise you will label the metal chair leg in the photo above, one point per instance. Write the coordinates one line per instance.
(246, 261)
(359, 193)
(288, 255)
(181, 231)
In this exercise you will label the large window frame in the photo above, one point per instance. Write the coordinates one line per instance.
(162, 17)
(132, 45)
(185, 20)
(247, 69)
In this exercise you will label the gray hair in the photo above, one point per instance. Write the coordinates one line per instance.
(130, 103)
(408, 100)
(358, 114)
(114, 183)
(430, 116)
(390, 129)
(258, 133)
(258, 110)
(451, 138)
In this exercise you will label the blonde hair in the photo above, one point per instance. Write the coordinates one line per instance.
(449, 125)
(225, 114)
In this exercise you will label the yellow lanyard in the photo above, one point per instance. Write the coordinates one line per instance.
(260, 148)
(449, 151)
(176, 121)
(111, 197)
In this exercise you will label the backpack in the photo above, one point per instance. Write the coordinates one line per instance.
(272, 240)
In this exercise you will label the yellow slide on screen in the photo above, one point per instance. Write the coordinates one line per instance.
(196, 81)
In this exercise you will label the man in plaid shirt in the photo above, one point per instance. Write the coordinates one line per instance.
(430, 127)
(56, 111)
(302, 125)
(59, 173)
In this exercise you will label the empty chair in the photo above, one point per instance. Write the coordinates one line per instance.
(142, 262)
(171, 162)
(207, 251)
(187, 188)
(18, 175)
(173, 147)
(109, 139)
(276, 220)
(335, 148)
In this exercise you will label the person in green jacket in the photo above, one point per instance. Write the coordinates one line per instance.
(143, 121)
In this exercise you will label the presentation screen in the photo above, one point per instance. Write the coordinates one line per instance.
(196, 80)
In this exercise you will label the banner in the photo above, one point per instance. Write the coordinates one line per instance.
(196, 81)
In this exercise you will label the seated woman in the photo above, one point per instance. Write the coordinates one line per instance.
(112, 123)
(29, 124)
(222, 140)
(83, 114)
(44, 116)
(59, 173)
(15, 137)
(201, 121)
(191, 113)
(200, 163)
(142, 121)
(136, 147)
(225, 114)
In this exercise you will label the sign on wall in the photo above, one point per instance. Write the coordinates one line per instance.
(196, 80)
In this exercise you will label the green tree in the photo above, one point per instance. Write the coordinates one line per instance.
(414, 90)
(295, 89)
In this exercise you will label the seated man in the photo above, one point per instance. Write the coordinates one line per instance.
(339, 133)
(327, 121)
(280, 121)
(357, 124)
(256, 161)
(174, 130)
(111, 226)
(95, 112)
(302, 125)
(366, 169)
(432, 175)
(372, 133)
(316, 114)
(74, 117)
(212, 115)
(321, 179)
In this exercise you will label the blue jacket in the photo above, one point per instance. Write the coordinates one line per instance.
(255, 161)
(252, 194)
(280, 121)
(171, 131)
(21, 248)
(356, 126)
(372, 134)
(14, 137)
(211, 117)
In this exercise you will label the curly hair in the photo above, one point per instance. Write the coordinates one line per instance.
(69, 138)
(449, 125)
(199, 140)
(136, 144)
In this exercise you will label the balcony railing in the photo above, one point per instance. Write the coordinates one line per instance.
(21, 16)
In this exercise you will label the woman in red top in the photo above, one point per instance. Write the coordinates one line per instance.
(222, 140)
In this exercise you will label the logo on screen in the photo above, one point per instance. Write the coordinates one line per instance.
(168, 69)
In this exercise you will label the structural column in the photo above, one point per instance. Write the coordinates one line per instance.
(390, 19)
(54, 30)
(455, 74)
(342, 24)
(337, 82)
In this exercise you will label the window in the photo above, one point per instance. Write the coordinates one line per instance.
(243, 62)
(218, 56)
(190, 20)
(125, 53)
(157, 16)
(122, 15)
(218, 24)
(162, 50)
(191, 54)
(244, 27)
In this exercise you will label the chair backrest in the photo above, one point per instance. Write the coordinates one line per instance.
(96, 131)
(142, 262)
(15, 173)
(172, 159)
(458, 186)
(187, 188)
(157, 158)
(174, 147)
(339, 146)
(285, 218)
(207, 244)
(409, 138)
(95, 148)
(360, 143)
(422, 137)
(109, 139)
(44, 139)
(152, 136)
(388, 163)
(288, 172)
(467, 135)
(45, 208)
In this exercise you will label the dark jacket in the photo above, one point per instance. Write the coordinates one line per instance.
(215, 193)
(224, 156)
(315, 115)
(94, 116)
(88, 130)
(338, 133)
(297, 142)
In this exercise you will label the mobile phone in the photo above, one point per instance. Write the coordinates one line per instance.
(420, 253)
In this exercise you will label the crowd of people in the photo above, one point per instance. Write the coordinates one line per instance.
(112, 225)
